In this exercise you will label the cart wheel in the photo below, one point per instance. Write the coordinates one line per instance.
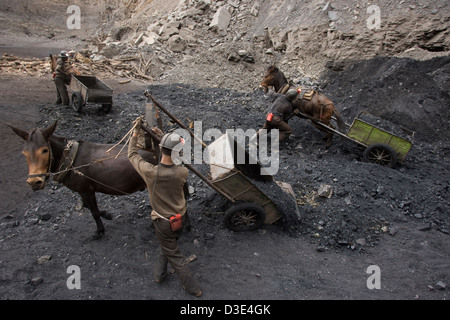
(106, 107)
(380, 154)
(77, 102)
(244, 216)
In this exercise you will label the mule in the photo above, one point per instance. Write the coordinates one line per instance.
(318, 108)
(88, 170)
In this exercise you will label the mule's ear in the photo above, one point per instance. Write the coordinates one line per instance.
(46, 133)
(21, 133)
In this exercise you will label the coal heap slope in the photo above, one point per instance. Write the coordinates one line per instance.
(368, 201)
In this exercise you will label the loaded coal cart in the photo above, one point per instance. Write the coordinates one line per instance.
(84, 89)
(256, 199)
(385, 144)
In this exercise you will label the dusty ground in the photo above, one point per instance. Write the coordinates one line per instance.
(396, 218)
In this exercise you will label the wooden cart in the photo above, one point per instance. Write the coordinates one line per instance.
(382, 147)
(84, 89)
(250, 206)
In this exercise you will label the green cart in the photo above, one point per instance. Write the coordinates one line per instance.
(382, 146)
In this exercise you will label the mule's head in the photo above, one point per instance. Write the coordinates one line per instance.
(269, 78)
(37, 151)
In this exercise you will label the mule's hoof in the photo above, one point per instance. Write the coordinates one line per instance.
(106, 215)
(98, 235)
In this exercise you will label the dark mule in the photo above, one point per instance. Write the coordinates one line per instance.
(90, 168)
(318, 107)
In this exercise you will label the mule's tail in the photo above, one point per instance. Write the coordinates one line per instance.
(340, 121)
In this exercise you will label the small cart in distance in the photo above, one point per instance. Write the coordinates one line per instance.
(86, 89)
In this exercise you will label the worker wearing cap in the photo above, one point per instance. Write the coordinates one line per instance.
(166, 184)
(62, 77)
(280, 113)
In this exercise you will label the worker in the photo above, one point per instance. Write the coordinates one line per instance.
(62, 77)
(280, 113)
(166, 184)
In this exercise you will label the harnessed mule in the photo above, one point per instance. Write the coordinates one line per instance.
(317, 107)
(83, 167)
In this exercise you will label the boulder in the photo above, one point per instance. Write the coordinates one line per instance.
(177, 43)
(221, 20)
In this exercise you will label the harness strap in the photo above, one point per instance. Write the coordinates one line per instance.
(284, 88)
(67, 159)
(47, 174)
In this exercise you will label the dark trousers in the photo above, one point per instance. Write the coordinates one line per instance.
(61, 91)
(170, 252)
(285, 130)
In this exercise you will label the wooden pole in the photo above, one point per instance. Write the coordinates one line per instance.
(171, 116)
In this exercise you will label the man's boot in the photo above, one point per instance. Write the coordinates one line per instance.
(160, 271)
(190, 285)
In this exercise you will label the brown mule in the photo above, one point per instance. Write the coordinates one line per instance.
(88, 170)
(318, 107)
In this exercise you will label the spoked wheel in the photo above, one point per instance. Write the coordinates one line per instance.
(380, 154)
(77, 101)
(244, 216)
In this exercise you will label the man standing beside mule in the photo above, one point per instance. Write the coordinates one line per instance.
(166, 184)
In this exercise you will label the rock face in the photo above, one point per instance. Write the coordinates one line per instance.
(303, 38)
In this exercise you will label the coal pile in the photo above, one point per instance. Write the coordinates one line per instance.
(367, 199)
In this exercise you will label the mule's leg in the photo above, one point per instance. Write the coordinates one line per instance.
(329, 139)
(328, 136)
(90, 201)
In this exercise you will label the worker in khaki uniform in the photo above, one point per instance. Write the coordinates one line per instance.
(166, 184)
(280, 113)
(62, 77)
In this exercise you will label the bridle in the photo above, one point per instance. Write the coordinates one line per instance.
(50, 162)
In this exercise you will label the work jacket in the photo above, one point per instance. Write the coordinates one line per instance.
(167, 195)
(282, 107)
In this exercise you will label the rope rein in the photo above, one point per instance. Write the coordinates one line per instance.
(98, 161)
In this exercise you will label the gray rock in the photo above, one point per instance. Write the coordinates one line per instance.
(177, 43)
(44, 259)
(441, 285)
(36, 281)
(332, 15)
(221, 20)
(325, 191)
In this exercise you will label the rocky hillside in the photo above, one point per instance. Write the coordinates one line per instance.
(229, 43)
